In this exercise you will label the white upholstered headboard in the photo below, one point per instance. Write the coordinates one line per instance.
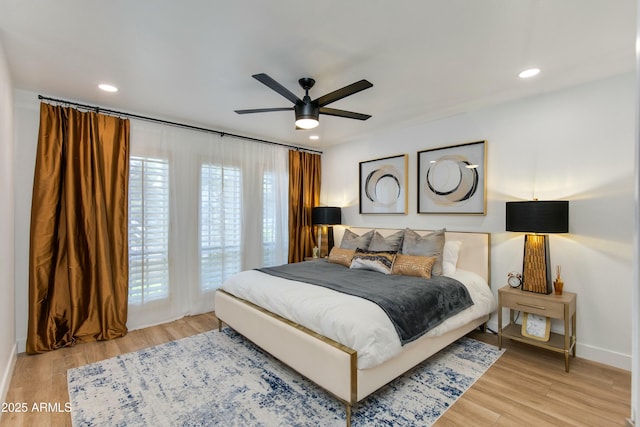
(475, 253)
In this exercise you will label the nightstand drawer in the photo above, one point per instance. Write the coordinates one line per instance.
(530, 303)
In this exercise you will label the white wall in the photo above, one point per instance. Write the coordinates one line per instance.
(576, 145)
(7, 313)
(27, 122)
(635, 304)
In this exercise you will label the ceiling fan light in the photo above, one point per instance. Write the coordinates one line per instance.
(307, 122)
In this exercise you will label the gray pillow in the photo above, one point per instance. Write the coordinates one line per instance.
(351, 240)
(389, 243)
(429, 245)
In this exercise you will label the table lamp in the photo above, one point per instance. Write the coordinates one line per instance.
(533, 217)
(325, 217)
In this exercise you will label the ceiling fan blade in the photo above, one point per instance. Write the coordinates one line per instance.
(274, 85)
(344, 113)
(344, 92)
(263, 110)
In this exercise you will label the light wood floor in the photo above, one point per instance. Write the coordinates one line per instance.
(526, 386)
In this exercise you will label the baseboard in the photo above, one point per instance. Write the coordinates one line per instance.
(630, 423)
(606, 357)
(7, 374)
(595, 354)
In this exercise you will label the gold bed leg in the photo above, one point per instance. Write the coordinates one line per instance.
(219, 325)
(348, 408)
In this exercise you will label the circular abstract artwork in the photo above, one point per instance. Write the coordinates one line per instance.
(383, 186)
(451, 179)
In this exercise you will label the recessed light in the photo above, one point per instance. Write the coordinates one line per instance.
(314, 137)
(530, 72)
(107, 87)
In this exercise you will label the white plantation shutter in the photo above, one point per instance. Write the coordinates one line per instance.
(220, 224)
(148, 230)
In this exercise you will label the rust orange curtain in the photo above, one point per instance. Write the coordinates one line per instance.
(78, 257)
(304, 194)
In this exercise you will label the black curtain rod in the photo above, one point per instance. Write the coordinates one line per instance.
(170, 123)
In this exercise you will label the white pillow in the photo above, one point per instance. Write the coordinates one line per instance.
(450, 256)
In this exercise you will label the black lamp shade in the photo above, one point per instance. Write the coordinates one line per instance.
(538, 216)
(326, 215)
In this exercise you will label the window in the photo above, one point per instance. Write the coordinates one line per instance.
(220, 224)
(148, 230)
(199, 213)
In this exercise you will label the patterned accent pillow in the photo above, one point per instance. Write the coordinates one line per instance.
(351, 240)
(389, 243)
(341, 256)
(380, 261)
(412, 265)
(431, 244)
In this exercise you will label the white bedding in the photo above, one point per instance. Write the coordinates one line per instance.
(355, 322)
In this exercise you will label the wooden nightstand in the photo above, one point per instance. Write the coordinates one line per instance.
(554, 306)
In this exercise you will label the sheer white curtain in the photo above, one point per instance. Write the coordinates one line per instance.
(201, 207)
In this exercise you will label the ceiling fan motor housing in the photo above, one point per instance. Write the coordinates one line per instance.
(307, 109)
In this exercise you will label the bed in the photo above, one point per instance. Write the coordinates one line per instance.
(337, 356)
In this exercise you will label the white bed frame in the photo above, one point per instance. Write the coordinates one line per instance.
(330, 364)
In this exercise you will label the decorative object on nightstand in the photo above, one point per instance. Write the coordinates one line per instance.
(536, 327)
(537, 217)
(514, 279)
(325, 217)
(558, 284)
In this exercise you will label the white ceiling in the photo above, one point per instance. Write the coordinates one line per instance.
(192, 61)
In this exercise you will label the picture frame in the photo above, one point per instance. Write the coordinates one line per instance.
(536, 327)
(383, 185)
(452, 179)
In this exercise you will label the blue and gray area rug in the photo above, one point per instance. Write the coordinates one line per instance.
(221, 379)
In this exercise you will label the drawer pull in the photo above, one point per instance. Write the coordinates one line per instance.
(539, 307)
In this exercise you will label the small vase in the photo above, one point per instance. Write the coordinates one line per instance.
(558, 285)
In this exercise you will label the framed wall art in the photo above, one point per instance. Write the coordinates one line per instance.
(452, 180)
(536, 327)
(383, 185)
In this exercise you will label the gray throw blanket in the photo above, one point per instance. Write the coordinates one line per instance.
(414, 305)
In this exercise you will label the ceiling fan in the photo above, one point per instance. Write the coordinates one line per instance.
(306, 110)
